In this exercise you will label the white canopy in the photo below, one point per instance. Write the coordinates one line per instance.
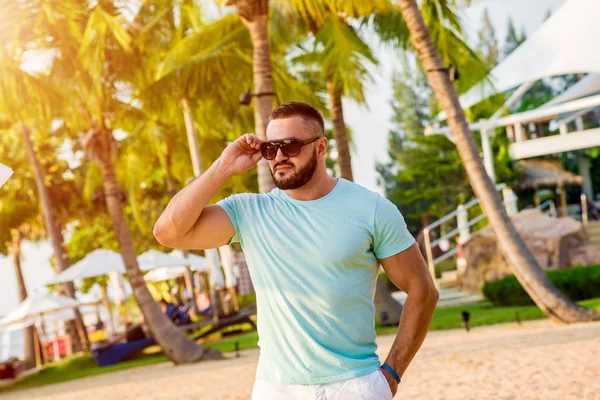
(36, 305)
(164, 274)
(97, 263)
(565, 44)
(587, 86)
(103, 262)
(198, 263)
(156, 259)
(5, 173)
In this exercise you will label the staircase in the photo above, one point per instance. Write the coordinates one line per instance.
(593, 231)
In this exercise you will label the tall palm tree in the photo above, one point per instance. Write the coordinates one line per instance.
(105, 37)
(28, 335)
(56, 237)
(340, 59)
(27, 97)
(255, 16)
(519, 257)
(17, 208)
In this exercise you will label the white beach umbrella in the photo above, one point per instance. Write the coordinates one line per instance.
(37, 305)
(164, 274)
(97, 263)
(198, 263)
(155, 259)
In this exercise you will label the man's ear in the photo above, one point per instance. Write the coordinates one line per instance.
(323, 145)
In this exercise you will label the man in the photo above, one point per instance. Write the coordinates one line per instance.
(313, 246)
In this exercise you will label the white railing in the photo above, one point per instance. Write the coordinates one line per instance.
(549, 204)
(463, 225)
(462, 229)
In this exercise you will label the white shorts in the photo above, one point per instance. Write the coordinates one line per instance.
(369, 387)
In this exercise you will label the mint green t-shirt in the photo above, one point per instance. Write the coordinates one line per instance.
(314, 268)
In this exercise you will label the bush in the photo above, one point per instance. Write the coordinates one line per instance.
(579, 283)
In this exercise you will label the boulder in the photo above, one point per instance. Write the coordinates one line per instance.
(556, 243)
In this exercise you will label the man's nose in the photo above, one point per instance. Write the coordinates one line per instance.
(279, 156)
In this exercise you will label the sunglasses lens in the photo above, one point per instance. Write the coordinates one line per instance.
(268, 151)
(291, 148)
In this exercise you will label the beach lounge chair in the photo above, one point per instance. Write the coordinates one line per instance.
(112, 354)
(237, 318)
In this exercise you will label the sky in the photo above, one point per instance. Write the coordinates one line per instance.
(370, 128)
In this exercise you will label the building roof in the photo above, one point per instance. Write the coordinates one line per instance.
(561, 46)
(544, 173)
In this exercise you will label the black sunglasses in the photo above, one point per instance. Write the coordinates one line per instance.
(289, 147)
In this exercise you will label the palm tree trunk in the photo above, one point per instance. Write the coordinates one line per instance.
(339, 130)
(168, 176)
(106, 301)
(56, 237)
(192, 138)
(28, 339)
(556, 305)
(177, 346)
(198, 170)
(255, 16)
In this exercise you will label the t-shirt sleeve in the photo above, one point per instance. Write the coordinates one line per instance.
(391, 236)
(229, 205)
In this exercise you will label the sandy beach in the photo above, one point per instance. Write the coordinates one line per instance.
(538, 360)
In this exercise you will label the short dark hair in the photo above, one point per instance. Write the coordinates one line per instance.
(301, 109)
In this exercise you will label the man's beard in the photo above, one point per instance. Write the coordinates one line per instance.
(299, 178)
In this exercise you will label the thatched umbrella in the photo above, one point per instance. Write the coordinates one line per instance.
(547, 173)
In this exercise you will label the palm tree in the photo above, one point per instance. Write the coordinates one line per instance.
(54, 230)
(106, 38)
(192, 70)
(83, 41)
(27, 97)
(17, 206)
(255, 16)
(518, 256)
(28, 335)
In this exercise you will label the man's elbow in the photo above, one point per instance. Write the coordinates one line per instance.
(434, 295)
(163, 234)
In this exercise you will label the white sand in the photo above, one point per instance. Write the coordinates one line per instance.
(539, 360)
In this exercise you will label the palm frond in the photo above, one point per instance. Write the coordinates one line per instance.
(24, 96)
(344, 57)
(319, 10)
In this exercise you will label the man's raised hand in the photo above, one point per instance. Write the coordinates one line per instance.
(242, 155)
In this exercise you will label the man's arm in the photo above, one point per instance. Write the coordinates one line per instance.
(188, 222)
(408, 271)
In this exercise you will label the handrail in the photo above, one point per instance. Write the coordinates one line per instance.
(470, 204)
(550, 203)
(465, 225)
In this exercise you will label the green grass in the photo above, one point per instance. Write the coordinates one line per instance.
(444, 318)
(483, 313)
(83, 366)
(247, 340)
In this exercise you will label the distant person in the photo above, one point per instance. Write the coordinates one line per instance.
(204, 305)
(174, 313)
(313, 245)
